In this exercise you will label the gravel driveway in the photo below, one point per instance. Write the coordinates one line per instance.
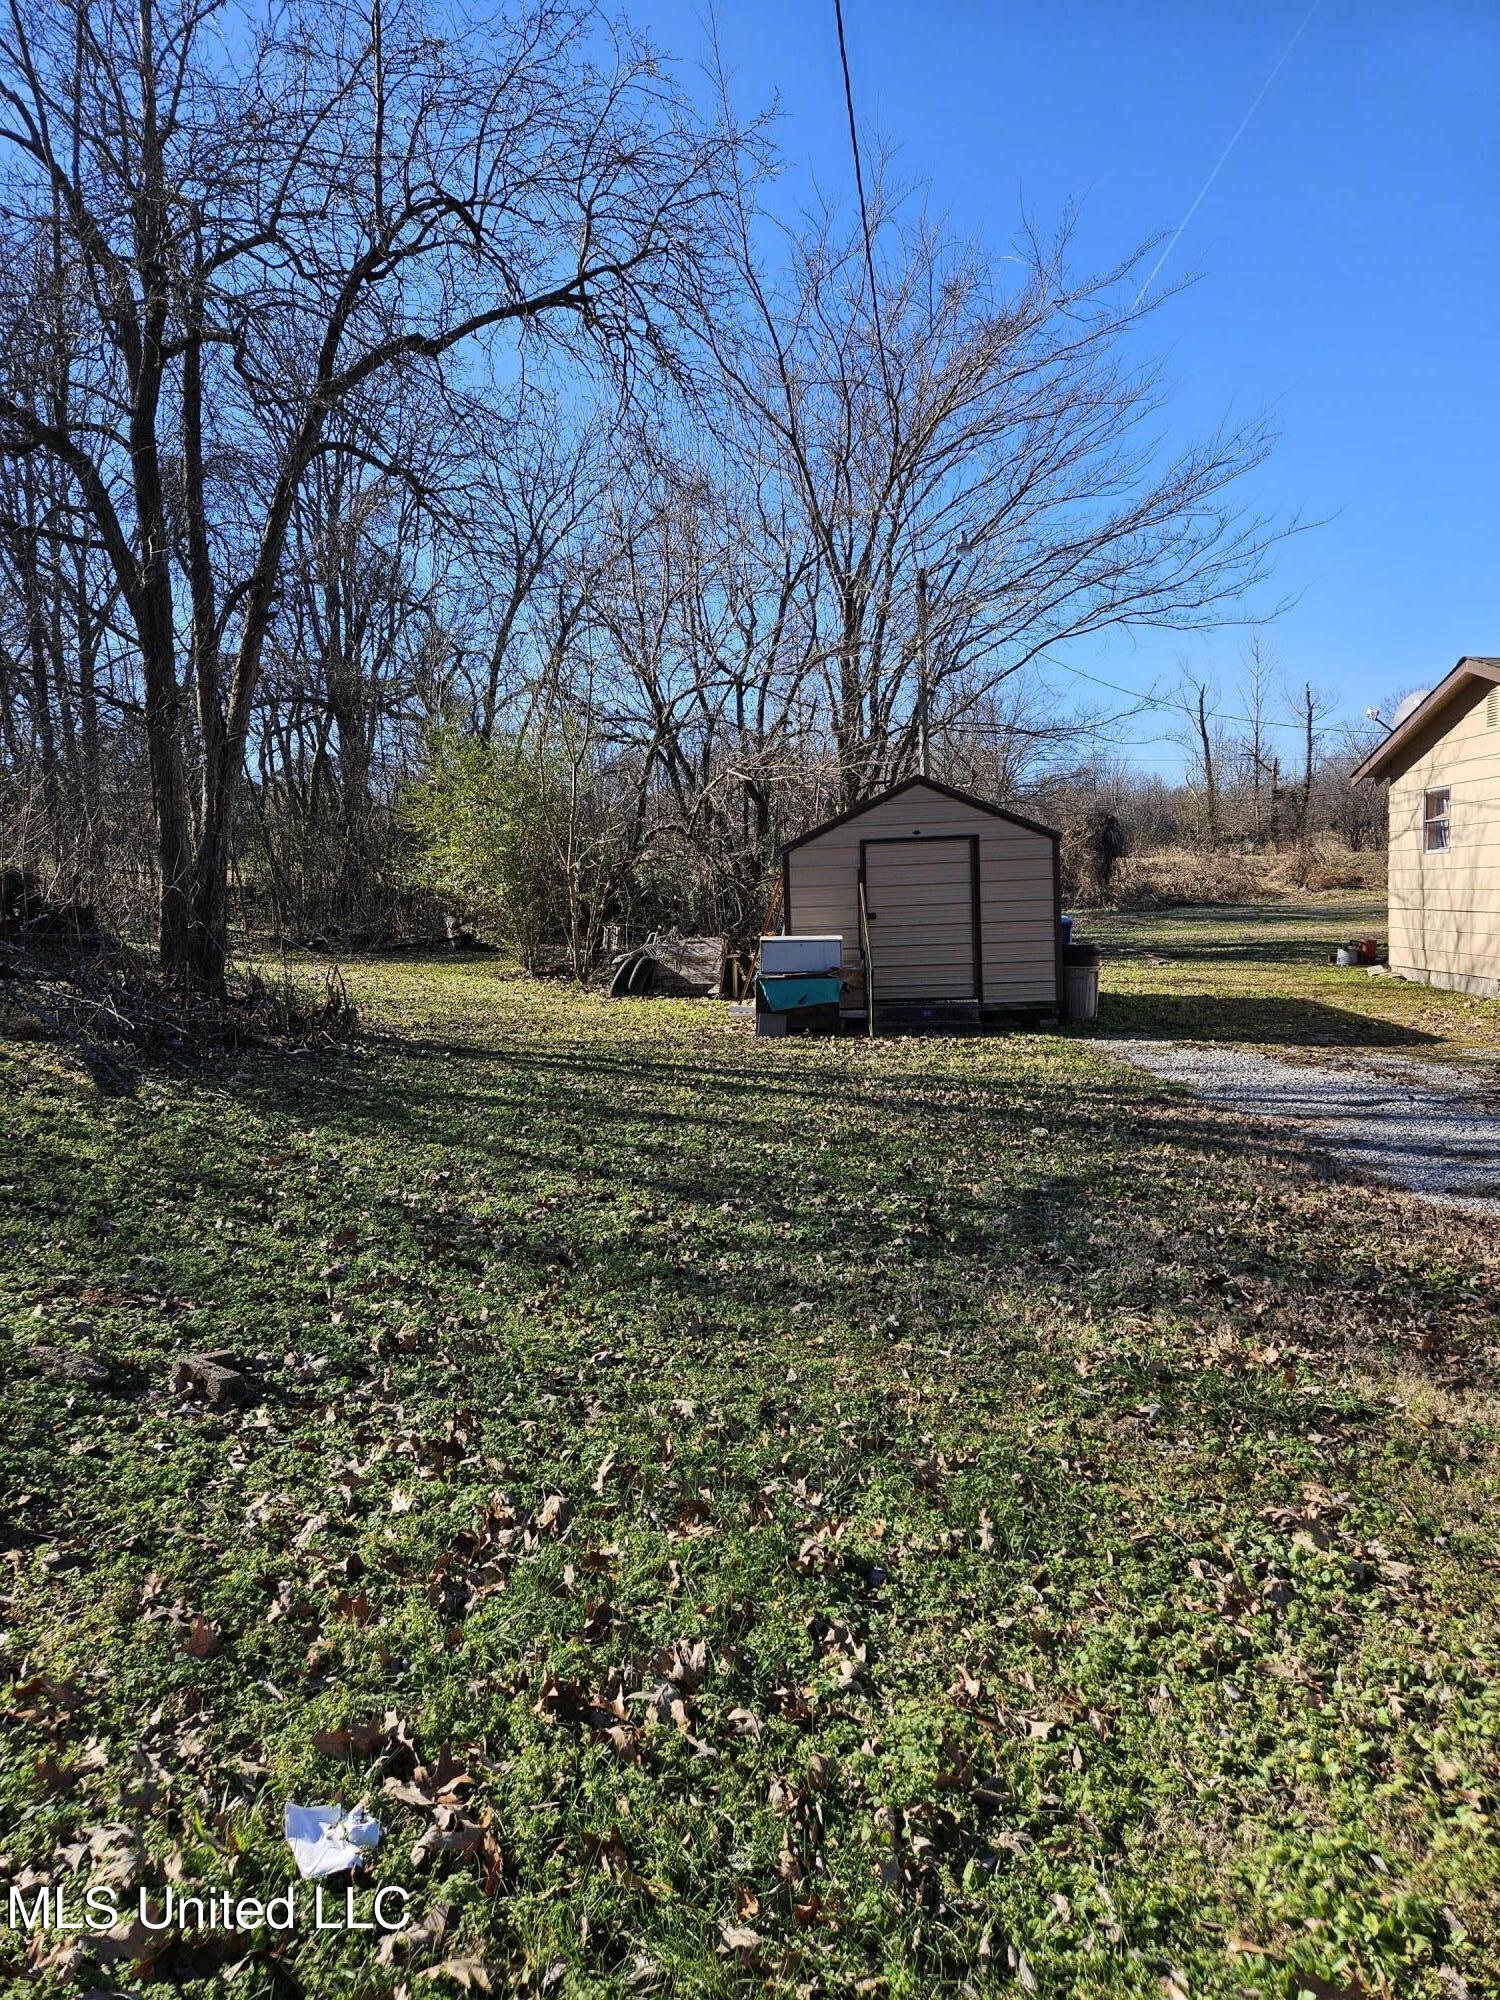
(1389, 1119)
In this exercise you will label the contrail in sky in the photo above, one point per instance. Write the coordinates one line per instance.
(1238, 135)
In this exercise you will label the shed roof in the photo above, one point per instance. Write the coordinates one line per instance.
(932, 785)
(1472, 668)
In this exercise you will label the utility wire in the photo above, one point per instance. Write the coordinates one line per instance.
(1176, 707)
(864, 213)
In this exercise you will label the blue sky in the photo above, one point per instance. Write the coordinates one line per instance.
(1347, 260)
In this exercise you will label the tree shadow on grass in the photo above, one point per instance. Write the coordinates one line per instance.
(1211, 1017)
(735, 1157)
(943, 1170)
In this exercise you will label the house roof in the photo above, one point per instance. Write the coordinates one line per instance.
(945, 791)
(1472, 669)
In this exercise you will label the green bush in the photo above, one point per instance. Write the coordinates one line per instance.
(482, 822)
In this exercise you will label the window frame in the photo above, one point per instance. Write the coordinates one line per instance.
(1437, 827)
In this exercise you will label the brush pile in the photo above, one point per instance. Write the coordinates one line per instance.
(63, 978)
(30, 917)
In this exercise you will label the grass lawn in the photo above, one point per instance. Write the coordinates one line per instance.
(1260, 974)
(794, 1517)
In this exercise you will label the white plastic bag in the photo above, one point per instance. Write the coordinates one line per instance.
(324, 1841)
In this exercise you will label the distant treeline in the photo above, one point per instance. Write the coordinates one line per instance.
(431, 469)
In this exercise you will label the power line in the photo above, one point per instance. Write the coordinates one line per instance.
(1176, 707)
(864, 213)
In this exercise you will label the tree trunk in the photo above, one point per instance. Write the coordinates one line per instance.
(174, 847)
(1210, 776)
(1305, 810)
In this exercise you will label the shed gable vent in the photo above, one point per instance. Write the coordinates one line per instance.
(1492, 709)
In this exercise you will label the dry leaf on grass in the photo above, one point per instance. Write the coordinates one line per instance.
(203, 1639)
(472, 1974)
(443, 1784)
(423, 1935)
(739, 1939)
(451, 1832)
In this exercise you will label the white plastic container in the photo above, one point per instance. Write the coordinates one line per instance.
(809, 957)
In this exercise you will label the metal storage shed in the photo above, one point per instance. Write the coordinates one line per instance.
(945, 903)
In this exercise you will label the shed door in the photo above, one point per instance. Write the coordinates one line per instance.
(922, 898)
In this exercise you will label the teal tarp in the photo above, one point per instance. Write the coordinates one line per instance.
(786, 995)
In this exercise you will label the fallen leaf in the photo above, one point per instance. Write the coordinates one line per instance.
(470, 1973)
(424, 1935)
(203, 1639)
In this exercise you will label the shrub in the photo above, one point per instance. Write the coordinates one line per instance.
(480, 823)
(1094, 845)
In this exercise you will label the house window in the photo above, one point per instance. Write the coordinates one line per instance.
(1435, 821)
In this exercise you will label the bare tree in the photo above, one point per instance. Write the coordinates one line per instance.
(531, 485)
(259, 234)
(359, 632)
(1016, 741)
(1311, 708)
(1356, 813)
(700, 648)
(58, 651)
(994, 441)
(1261, 763)
(1203, 736)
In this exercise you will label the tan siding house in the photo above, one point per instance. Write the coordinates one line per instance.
(1443, 766)
(962, 899)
